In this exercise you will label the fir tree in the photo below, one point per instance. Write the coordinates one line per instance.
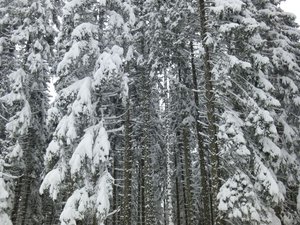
(28, 100)
(89, 68)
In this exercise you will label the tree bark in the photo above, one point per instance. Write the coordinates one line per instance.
(178, 222)
(127, 168)
(210, 112)
(201, 149)
(187, 170)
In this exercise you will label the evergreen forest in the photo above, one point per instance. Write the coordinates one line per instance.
(165, 112)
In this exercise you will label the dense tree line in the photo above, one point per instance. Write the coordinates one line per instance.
(167, 112)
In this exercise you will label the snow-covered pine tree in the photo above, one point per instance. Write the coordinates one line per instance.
(146, 130)
(154, 45)
(6, 66)
(90, 89)
(282, 48)
(248, 127)
(239, 202)
(4, 196)
(6, 61)
(156, 64)
(250, 146)
(177, 62)
(27, 100)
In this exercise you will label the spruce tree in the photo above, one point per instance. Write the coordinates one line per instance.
(90, 68)
(248, 131)
(31, 35)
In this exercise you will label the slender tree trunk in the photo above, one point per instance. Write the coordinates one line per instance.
(188, 187)
(25, 200)
(177, 191)
(127, 169)
(29, 144)
(183, 182)
(15, 210)
(204, 174)
(139, 197)
(143, 200)
(168, 200)
(147, 185)
(210, 111)
(114, 201)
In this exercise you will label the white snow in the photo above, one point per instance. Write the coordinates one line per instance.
(297, 100)
(228, 27)
(83, 105)
(66, 129)
(17, 152)
(275, 220)
(288, 81)
(52, 150)
(103, 194)
(129, 9)
(75, 208)
(268, 180)
(238, 200)
(115, 19)
(261, 95)
(281, 56)
(221, 5)
(52, 181)
(270, 147)
(109, 62)
(288, 131)
(37, 45)
(83, 30)
(263, 81)
(5, 219)
(101, 146)
(3, 192)
(69, 57)
(233, 61)
(82, 151)
(19, 123)
(71, 5)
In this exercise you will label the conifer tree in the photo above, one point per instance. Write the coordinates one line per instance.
(89, 69)
(167, 112)
(282, 49)
(248, 133)
(27, 100)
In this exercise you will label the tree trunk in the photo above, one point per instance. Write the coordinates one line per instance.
(177, 191)
(210, 112)
(114, 200)
(168, 200)
(143, 197)
(127, 168)
(204, 174)
(15, 210)
(187, 170)
(183, 180)
(24, 220)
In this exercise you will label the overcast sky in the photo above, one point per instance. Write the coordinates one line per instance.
(292, 6)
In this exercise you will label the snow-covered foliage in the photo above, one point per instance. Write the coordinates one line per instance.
(167, 96)
(90, 66)
(19, 123)
(4, 195)
(238, 199)
(251, 121)
(26, 100)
